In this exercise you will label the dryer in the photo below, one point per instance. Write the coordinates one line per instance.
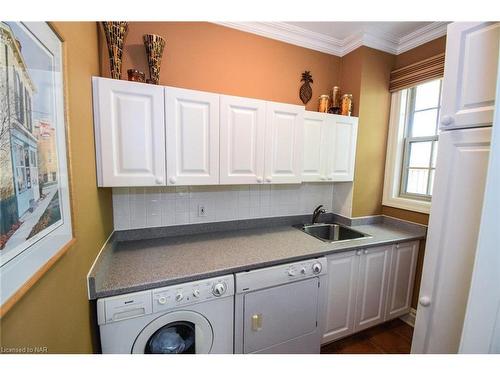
(189, 318)
(281, 309)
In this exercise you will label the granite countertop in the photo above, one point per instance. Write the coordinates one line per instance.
(126, 266)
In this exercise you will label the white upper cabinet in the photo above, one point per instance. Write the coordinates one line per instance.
(148, 135)
(192, 119)
(344, 149)
(470, 72)
(402, 275)
(315, 147)
(329, 143)
(129, 132)
(283, 144)
(242, 140)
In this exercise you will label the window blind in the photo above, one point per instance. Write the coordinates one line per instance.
(417, 73)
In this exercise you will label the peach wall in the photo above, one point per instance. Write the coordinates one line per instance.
(209, 57)
(422, 52)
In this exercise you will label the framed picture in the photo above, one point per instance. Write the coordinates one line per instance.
(35, 209)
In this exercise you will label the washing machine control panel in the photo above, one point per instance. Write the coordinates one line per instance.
(193, 292)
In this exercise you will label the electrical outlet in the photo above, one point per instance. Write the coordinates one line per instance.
(202, 210)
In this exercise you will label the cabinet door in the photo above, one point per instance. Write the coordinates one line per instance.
(192, 119)
(283, 154)
(242, 134)
(344, 149)
(341, 295)
(457, 201)
(372, 287)
(470, 72)
(129, 133)
(314, 146)
(402, 276)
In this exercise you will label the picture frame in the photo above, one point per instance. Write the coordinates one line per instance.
(35, 207)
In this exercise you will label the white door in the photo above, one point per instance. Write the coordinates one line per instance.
(242, 135)
(481, 330)
(129, 133)
(314, 146)
(341, 295)
(457, 201)
(283, 153)
(372, 286)
(344, 149)
(469, 83)
(192, 119)
(402, 276)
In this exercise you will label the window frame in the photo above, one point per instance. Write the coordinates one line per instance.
(397, 157)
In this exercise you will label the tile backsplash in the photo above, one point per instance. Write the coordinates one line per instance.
(162, 206)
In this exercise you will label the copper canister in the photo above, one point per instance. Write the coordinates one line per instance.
(346, 105)
(324, 101)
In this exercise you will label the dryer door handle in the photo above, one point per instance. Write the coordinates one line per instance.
(256, 322)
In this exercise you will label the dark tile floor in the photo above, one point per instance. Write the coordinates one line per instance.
(392, 337)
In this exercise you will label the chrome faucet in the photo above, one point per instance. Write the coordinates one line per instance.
(317, 211)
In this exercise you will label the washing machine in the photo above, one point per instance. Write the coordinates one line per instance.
(189, 318)
(281, 309)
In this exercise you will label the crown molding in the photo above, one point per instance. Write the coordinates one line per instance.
(339, 47)
(421, 36)
(290, 34)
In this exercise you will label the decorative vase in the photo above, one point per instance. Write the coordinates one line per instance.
(305, 92)
(115, 36)
(154, 50)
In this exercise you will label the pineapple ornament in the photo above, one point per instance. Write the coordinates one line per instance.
(305, 93)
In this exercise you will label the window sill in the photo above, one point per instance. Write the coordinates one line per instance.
(408, 204)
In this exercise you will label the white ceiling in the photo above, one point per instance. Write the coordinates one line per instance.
(340, 38)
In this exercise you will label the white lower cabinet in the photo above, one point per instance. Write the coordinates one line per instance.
(367, 287)
(401, 279)
(372, 287)
(342, 280)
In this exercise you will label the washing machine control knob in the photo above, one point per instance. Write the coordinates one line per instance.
(162, 300)
(303, 271)
(196, 293)
(316, 268)
(219, 289)
(291, 272)
(179, 297)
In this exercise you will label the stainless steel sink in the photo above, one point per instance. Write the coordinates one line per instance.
(332, 232)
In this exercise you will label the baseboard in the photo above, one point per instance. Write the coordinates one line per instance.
(410, 317)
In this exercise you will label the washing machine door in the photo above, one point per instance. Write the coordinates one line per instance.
(176, 332)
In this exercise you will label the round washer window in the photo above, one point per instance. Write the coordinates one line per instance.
(174, 338)
(175, 332)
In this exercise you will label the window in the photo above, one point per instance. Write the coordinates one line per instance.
(19, 98)
(412, 147)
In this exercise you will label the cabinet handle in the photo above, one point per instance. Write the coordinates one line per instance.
(159, 181)
(446, 120)
(256, 322)
(259, 179)
(365, 252)
(397, 246)
(172, 180)
(322, 178)
(358, 252)
(269, 179)
(424, 301)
